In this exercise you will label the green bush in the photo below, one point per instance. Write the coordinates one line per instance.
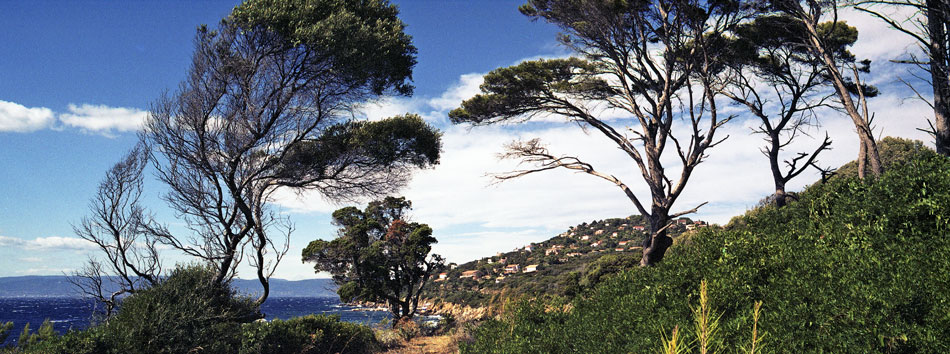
(307, 334)
(852, 267)
(186, 311)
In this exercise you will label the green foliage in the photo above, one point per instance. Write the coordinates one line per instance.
(186, 311)
(378, 256)
(5, 331)
(540, 328)
(307, 334)
(343, 33)
(511, 92)
(376, 147)
(597, 271)
(29, 340)
(852, 267)
(90, 341)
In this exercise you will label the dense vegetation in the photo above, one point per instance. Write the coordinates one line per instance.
(190, 312)
(851, 267)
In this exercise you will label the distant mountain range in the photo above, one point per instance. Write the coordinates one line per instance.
(59, 286)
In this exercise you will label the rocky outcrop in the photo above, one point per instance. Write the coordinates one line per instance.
(461, 313)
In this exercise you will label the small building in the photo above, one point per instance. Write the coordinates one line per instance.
(614, 235)
(598, 232)
(499, 279)
(623, 243)
(531, 268)
(469, 274)
(682, 221)
(453, 265)
(619, 249)
(597, 244)
(512, 268)
(639, 227)
(442, 277)
(585, 237)
(528, 248)
(573, 254)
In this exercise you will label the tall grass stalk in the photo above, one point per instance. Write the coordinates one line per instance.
(706, 323)
(755, 347)
(674, 345)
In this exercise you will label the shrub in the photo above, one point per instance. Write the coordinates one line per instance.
(5, 329)
(185, 311)
(852, 267)
(307, 334)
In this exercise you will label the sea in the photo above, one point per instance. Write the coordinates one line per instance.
(77, 313)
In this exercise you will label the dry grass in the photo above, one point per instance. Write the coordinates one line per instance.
(445, 344)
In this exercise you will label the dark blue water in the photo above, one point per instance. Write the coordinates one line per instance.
(76, 313)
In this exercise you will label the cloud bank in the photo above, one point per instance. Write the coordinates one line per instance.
(103, 119)
(88, 118)
(47, 243)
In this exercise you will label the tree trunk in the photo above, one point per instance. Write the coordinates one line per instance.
(777, 177)
(862, 157)
(865, 135)
(939, 73)
(873, 155)
(656, 244)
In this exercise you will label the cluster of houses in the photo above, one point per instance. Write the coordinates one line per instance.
(477, 274)
(599, 244)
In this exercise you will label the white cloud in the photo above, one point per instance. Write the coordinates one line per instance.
(104, 119)
(21, 119)
(467, 87)
(876, 39)
(47, 243)
(388, 107)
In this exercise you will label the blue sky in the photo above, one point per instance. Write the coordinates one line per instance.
(76, 77)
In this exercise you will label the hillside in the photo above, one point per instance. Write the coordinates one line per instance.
(561, 265)
(849, 266)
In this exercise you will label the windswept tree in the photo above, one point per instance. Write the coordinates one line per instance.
(824, 39)
(654, 60)
(773, 75)
(268, 105)
(379, 255)
(118, 226)
(928, 23)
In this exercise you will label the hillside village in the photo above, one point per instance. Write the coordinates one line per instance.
(557, 266)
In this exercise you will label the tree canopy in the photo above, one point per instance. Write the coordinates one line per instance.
(378, 255)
